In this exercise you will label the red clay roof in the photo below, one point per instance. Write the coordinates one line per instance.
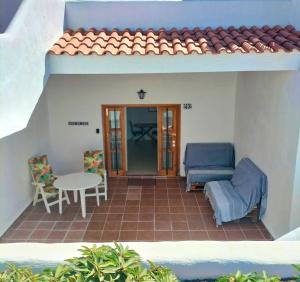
(178, 41)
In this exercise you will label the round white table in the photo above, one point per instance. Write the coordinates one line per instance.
(78, 182)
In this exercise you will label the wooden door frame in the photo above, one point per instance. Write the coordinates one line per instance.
(125, 106)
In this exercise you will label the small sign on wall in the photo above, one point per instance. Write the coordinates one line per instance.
(187, 106)
(82, 123)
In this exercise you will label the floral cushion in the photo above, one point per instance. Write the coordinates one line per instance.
(94, 162)
(41, 171)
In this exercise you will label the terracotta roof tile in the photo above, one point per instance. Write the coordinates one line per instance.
(178, 41)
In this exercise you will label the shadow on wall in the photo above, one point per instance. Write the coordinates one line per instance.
(8, 9)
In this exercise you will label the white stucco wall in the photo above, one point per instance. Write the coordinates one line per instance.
(16, 191)
(23, 46)
(266, 130)
(79, 98)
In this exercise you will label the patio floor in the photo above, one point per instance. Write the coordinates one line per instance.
(137, 209)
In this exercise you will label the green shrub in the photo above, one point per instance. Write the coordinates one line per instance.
(249, 277)
(96, 264)
(107, 264)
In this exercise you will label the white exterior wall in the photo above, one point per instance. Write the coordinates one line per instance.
(16, 191)
(23, 46)
(266, 130)
(173, 13)
(79, 98)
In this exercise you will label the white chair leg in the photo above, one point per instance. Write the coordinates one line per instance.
(105, 186)
(75, 196)
(97, 195)
(82, 199)
(67, 197)
(36, 196)
(45, 200)
(60, 200)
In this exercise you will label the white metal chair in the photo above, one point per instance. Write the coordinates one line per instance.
(43, 178)
(94, 163)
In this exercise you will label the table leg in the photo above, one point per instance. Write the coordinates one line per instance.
(97, 194)
(82, 199)
(60, 200)
(75, 196)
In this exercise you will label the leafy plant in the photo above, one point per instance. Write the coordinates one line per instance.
(105, 264)
(14, 274)
(249, 277)
(297, 267)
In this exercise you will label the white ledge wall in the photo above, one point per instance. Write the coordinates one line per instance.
(36, 25)
(181, 13)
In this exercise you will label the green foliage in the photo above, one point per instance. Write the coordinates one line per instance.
(297, 267)
(249, 277)
(105, 264)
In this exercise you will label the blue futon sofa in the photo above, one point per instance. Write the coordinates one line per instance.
(206, 162)
(234, 199)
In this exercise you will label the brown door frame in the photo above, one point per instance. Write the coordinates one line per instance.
(105, 129)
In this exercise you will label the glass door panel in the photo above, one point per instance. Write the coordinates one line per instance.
(115, 140)
(167, 136)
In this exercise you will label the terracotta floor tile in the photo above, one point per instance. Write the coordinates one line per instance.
(40, 234)
(108, 236)
(96, 225)
(132, 209)
(253, 234)
(145, 235)
(196, 225)
(199, 235)
(112, 225)
(180, 226)
(62, 225)
(79, 225)
(46, 225)
(21, 234)
(28, 224)
(129, 225)
(146, 217)
(92, 235)
(162, 216)
(75, 235)
(161, 212)
(57, 235)
(217, 235)
(162, 209)
(181, 235)
(163, 225)
(146, 225)
(163, 235)
(235, 235)
(130, 217)
(127, 235)
(114, 217)
(99, 217)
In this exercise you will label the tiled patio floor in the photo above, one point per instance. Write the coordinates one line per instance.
(137, 209)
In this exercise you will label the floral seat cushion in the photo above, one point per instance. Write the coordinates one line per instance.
(42, 172)
(94, 162)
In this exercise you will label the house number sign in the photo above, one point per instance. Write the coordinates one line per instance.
(187, 106)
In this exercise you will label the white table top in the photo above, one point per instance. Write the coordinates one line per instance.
(77, 181)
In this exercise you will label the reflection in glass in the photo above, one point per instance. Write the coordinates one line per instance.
(167, 140)
(116, 160)
(167, 119)
(115, 140)
(167, 160)
(114, 119)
